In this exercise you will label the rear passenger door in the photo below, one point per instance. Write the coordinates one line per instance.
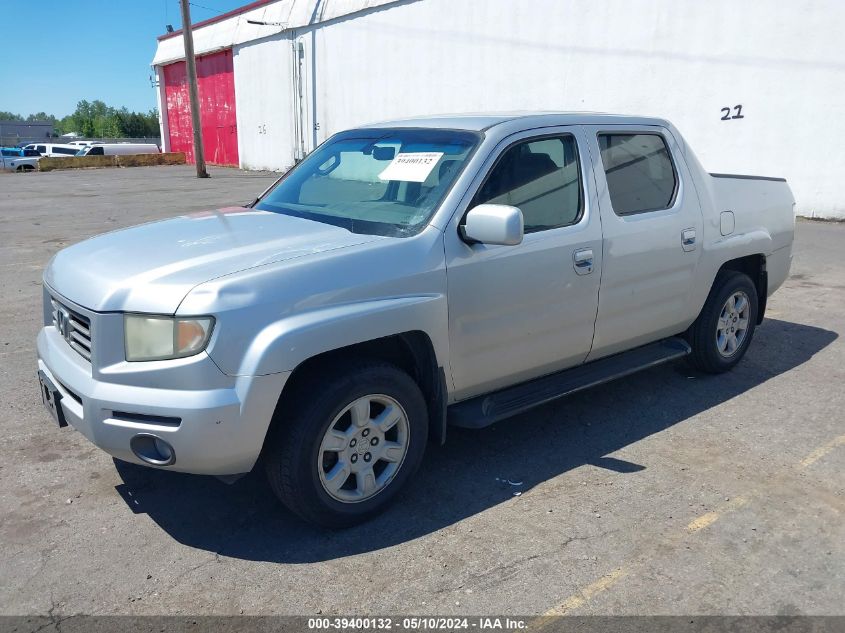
(518, 312)
(652, 226)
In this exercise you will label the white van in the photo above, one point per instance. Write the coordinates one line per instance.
(54, 149)
(115, 149)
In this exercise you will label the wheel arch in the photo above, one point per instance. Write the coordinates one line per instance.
(412, 352)
(755, 267)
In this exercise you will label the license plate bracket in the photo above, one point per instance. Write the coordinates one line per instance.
(52, 399)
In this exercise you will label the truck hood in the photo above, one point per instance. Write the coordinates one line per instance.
(152, 267)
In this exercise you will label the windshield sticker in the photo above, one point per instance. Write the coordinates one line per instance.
(411, 166)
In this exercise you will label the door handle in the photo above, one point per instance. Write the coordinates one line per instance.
(688, 239)
(582, 260)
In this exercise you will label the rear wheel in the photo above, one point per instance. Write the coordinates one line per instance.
(722, 332)
(349, 440)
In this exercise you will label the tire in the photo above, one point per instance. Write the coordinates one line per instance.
(711, 337)
(320, 436)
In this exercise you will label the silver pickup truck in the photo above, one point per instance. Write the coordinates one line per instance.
(16, 159)
(404, 277)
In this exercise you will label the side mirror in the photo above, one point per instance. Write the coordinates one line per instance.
(494, 224)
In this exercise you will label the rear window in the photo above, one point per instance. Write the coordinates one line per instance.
(639, 171)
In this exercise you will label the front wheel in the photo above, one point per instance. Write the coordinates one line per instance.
(350, 439)
(722, 332)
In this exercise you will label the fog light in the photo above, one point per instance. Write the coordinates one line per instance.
(151, 449)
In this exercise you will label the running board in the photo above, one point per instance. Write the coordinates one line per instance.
(485, 410)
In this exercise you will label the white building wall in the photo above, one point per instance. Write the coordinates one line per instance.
(264, 103)
(260, 22)
(783, 62)
(691, 62)
(161, 103)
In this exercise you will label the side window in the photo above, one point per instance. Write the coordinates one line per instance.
(41, 149)
(96, 151)
(639, 171)
(541, 178)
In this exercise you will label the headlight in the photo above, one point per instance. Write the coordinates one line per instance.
(164, 338)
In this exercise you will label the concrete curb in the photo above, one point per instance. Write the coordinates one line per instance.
(128, 160)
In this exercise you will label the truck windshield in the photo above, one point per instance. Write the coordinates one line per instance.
(380, 181)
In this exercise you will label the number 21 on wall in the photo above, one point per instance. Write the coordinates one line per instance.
(726, 113)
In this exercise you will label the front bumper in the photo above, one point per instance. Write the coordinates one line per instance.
(215, 429)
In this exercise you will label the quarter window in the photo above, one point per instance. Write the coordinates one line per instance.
(541, 178)
(639, 171)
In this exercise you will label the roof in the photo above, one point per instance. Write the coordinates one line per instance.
(257, 20)
(26, 123)
(526, 120)
(218, 18)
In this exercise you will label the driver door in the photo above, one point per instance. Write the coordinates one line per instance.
(519, 312)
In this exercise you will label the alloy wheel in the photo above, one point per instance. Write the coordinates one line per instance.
(363, 448)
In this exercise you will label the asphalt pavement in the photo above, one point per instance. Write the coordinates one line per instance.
(667, 492)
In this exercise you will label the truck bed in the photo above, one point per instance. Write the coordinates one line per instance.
(760, 204)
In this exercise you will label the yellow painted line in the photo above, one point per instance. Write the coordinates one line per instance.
(576, 600)
(710, 518)
(821, 451)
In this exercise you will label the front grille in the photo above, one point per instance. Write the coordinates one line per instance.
(74, 328)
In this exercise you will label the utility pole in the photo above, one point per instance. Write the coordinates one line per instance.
(193, 91)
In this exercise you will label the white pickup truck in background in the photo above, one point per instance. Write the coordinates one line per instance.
(403, 277)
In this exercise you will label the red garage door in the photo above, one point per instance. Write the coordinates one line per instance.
(216, 79)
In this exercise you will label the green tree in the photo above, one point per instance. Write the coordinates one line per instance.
(41, 116)
(64, 125)
(97, 119)
(153, 127)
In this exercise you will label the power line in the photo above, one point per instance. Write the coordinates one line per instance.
(199, 6)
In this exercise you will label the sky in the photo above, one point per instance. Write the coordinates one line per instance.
(68, 50)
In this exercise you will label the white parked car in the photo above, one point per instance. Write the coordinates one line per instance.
(54, 150)
(405, 276)
(119, 149)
